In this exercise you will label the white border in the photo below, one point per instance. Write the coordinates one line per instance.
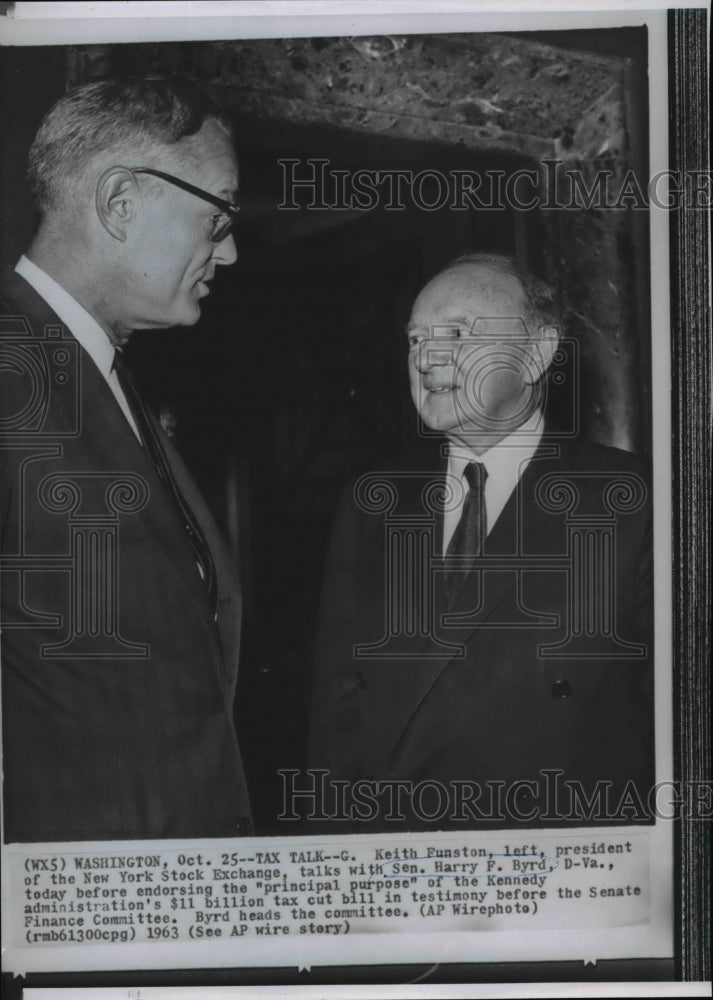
(497, 991)
(89, 23)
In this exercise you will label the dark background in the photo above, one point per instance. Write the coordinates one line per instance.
(690, 337)
(295, 377)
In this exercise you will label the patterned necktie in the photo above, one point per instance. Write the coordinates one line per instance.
(155, 451)
(469, 537)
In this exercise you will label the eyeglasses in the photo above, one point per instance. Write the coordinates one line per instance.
(222, 224)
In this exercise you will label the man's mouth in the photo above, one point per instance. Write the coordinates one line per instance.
(439, 390)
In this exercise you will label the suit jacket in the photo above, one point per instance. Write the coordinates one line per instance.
(117, 680)
(540, 675)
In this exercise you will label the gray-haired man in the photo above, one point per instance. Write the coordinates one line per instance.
(121, 605)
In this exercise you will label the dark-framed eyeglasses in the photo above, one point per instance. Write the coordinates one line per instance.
(222, 224)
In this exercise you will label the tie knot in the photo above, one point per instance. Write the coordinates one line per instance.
(476, 474)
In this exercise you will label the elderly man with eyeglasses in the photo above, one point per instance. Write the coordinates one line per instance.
(120, 603)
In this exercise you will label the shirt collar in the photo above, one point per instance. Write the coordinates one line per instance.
(513, 452)
(82, 324)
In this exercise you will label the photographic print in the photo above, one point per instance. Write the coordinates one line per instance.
(340, 629)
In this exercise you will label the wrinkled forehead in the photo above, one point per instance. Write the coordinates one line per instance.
(473, 292)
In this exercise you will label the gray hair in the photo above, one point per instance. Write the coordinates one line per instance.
(127, 117)
(542, 306)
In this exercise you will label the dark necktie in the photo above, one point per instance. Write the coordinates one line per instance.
(469, 537)
(153, 446)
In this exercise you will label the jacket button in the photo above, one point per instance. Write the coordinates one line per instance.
(361, 680)
(244, 827)
(561, 689)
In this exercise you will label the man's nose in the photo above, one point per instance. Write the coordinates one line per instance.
(226, 252)
(432, 355)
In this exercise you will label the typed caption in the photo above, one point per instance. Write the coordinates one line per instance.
(224, 893)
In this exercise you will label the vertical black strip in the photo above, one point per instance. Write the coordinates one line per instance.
(691, 357)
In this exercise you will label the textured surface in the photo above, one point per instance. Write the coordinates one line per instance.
(691, 325)
(485, 95)
(484, 90)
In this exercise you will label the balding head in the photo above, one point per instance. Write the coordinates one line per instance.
(508, 280)
(482, 335)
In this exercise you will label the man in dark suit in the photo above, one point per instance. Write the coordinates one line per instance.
(484, 656)
(120, 603)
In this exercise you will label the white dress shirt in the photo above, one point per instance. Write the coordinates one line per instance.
(505, 463)
(82, 325)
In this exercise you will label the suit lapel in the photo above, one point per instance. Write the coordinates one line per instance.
(487, 597)
(229, 594)
(109, 445)
(519, 531)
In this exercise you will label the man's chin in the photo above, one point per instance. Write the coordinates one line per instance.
(438, 424)
(188, 316)
(443, 417)
(474, 435)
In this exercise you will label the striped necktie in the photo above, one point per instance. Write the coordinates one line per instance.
(469, 537)
(151, 440)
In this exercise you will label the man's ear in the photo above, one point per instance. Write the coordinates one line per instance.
(540, 354)
(116, 201)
